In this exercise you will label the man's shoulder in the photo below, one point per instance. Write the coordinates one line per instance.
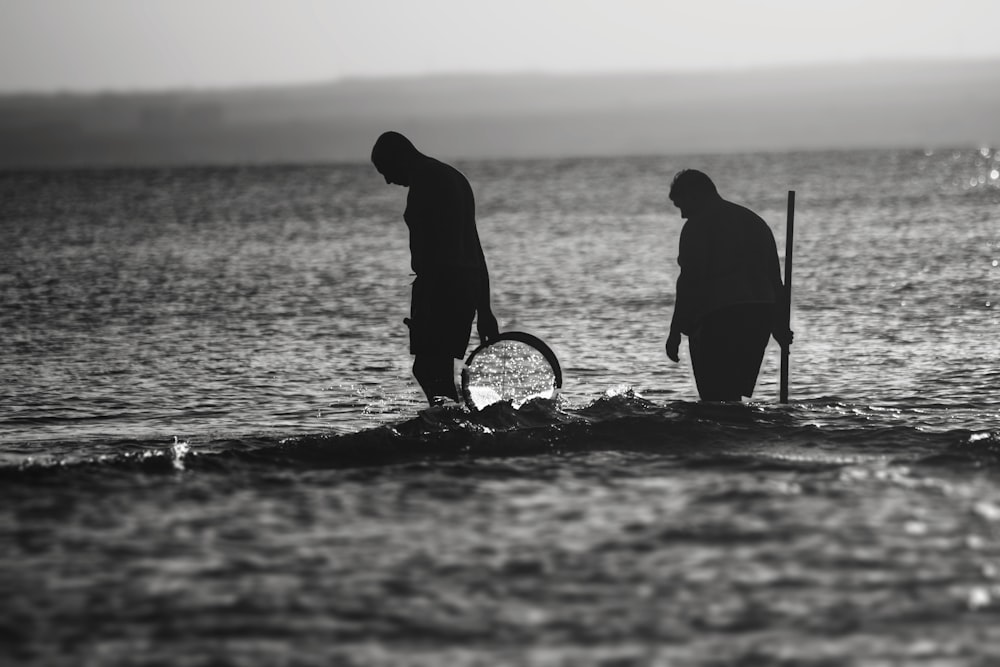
(434, 167)
(435, 173)
(740, 212)
(733, 207)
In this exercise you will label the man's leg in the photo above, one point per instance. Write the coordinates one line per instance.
(755, 332)
(714, 383)
(436, 376)
(713, 361)
(728, 351)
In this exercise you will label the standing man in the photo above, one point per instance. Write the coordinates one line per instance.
(452, 284)
(729, 292)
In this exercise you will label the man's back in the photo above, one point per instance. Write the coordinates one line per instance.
(728, 256)
(441, 216)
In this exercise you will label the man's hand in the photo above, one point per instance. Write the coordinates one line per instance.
(674, 346)
(784, 337)
(486, 325)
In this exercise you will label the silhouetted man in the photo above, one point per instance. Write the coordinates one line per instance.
(729, 291)
(452, 283)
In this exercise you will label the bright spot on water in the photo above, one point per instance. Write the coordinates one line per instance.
(995, 174)
(178, 451)
(987, 510)
(619, 390)
(979, 598)
(973, 182)
(985, 151)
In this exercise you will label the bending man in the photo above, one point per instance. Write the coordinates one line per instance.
(452, 282)
(729, 292)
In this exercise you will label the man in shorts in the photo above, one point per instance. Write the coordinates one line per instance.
(452, 284)
(729, 292)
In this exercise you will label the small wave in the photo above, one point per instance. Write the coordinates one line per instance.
(740, 435)
(977, 449)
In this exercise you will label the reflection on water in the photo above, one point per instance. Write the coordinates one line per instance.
(311, 512)
(144, 303)
(508, 370)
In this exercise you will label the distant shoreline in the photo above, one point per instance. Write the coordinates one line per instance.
(865, 105)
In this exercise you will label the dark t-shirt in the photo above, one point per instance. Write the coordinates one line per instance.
(447, 257)
(727, 256)
(441, 216)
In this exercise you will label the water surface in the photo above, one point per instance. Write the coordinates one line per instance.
(212, 451)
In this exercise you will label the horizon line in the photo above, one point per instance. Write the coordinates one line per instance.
(70, 92)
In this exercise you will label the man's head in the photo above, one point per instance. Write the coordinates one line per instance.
(393, 156)
(691, 190)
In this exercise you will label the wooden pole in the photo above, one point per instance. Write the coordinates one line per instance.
(787, 315)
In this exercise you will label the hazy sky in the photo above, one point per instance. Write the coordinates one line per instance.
(125, 44)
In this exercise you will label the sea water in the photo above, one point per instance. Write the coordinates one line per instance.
(212, 451)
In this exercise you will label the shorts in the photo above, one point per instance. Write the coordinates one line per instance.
(728, 348)
(442, 309)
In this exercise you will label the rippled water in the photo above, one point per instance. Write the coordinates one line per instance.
(212, 451)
